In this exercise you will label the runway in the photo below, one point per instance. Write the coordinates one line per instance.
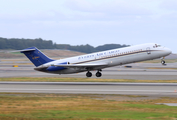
(158, 89)
(139, 71)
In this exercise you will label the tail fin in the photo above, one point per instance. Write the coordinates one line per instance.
(36, 56)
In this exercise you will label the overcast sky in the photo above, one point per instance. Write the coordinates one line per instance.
(94, 22)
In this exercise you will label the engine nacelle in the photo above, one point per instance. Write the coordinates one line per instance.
(56, 68)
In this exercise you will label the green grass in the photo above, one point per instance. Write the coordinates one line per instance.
(121, 115)
(159, 61)
(53, 79)
(21, 106)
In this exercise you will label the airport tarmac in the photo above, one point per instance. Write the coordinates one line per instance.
(138, 71)
(156, 89)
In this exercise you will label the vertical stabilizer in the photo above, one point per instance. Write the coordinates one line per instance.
(36, 56)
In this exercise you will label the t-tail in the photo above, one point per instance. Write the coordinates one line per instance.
(36, 56)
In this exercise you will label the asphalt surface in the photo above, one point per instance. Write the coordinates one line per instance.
(138, 71)
(158, 89)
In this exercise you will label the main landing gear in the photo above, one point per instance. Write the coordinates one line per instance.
(98, 74)
(89, 74)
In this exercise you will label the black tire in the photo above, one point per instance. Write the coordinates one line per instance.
(98, 74)
(89, 74)
(163, 62)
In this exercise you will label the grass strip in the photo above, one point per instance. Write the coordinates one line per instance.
(87, 107)
(158, 61)
(57, 79)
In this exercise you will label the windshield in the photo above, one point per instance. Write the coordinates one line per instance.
(156, 45)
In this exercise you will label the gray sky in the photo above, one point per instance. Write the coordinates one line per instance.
(94, 22)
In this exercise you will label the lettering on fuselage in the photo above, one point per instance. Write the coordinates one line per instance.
(100, 54)
(111, 53)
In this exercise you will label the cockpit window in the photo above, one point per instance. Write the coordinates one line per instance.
(155, 46)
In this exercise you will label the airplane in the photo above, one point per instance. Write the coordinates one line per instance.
(96, 61)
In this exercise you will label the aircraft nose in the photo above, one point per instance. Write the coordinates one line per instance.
(168, 51)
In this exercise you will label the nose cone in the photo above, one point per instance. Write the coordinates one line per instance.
(167, 51)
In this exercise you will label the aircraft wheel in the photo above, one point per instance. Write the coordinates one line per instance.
(89, 74)
(163, 62)
(98, 74)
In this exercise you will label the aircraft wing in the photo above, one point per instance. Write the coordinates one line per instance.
(80, 65)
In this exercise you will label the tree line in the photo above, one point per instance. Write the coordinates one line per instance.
(18, 44)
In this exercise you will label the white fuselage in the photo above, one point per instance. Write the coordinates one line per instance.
(113, 57)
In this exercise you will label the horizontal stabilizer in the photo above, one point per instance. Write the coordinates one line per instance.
(24, 50)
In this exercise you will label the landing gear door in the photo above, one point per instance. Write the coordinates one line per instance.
(148, 50)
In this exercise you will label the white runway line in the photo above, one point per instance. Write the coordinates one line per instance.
(90, 83)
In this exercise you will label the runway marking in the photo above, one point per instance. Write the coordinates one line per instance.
(90, 83)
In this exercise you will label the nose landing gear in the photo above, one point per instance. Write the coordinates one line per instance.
(163, 61)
